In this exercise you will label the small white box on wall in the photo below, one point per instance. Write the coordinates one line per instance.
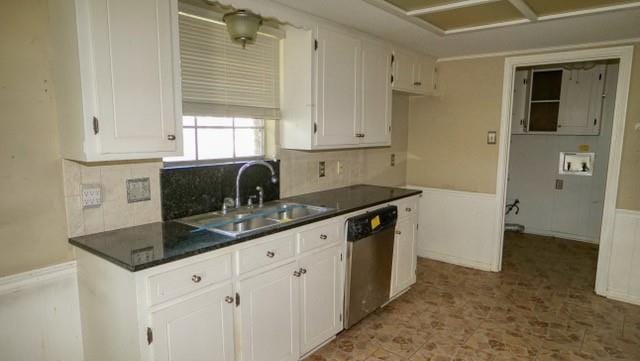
(572, 163)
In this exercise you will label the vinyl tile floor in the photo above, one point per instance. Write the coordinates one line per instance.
(540, 307)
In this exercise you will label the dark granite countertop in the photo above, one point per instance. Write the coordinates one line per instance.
(140, 247)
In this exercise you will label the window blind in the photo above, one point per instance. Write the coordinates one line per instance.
(220, 78)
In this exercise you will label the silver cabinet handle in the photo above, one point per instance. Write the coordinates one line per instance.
(196, 278)
(228, 299)
(408, 209)
(303, 270)
(323, 236)
(297, 273)
(271, 254)
(171, 137)
(398, 232)
(417, 83)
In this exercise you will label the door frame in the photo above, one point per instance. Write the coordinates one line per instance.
(625, 55)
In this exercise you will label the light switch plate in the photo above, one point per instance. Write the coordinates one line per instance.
(491, 137)
(321, 168)
(91, 195)
(138, 190)
(393, 159)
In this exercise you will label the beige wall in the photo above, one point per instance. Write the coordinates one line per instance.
(447, 138)
(447, 133)
(32, 213)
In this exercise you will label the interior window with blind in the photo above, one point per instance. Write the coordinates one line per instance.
(227, 92)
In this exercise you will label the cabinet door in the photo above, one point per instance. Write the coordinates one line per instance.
(270, 315)
(403, 74)
(581, 102)
(404, 255)
(135, 58)
(321, 297)
(337, 106)
(520, 101)
(424, 75)
(197, 329)
(376, 93)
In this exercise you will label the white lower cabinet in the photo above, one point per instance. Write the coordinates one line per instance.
(197, 329)
(321, 295)
(404, 255)
(270, 315)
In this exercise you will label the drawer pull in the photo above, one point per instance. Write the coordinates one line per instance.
(323, 236)
(228, 299)
(408, 209)
(303, 270)
(271, 254)
(196, 278)
(398, 232)
(297, 273)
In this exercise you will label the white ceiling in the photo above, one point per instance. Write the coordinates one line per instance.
(608, 26)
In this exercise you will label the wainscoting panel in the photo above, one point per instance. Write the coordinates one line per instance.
(624, 264)
(39, 315)
(457, 227)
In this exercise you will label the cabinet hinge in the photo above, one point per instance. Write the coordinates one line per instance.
(340, 256)
(315, 44)
(393, 59)
(340, 317)
(392, 79)
(389, 129)
(149, 335)
(315, 128)
(237, 299)
(96, 125)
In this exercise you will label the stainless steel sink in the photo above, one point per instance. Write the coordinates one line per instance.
(245, 220)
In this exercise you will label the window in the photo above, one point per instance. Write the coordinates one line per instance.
(227, 91)
(215, 138)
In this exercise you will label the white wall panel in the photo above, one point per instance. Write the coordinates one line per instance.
(624, 265)
(457, 227)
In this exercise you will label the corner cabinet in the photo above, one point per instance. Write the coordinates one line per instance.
(336, 90)
(412, 73)
(117, 76)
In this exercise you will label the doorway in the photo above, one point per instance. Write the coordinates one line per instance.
(544, 115)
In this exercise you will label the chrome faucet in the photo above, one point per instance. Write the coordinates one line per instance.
(274, 179)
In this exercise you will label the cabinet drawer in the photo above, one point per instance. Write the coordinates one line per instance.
(178, 282)
(407, 207)
(265, 254)
(321, 235)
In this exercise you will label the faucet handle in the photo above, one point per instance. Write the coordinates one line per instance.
(226, 204)
(250, 201)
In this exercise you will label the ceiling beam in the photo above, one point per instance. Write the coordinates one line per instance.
(383, 5)
(590, 11)
(450, 6)
(525, 9)
(487, 26)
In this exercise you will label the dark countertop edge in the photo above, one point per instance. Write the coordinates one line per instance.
(248, 237)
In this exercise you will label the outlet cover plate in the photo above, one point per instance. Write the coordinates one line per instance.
(321, 168)
(138, 190)
(91, 195)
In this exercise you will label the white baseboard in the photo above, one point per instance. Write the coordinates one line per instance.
(547, 233)
(458, 261)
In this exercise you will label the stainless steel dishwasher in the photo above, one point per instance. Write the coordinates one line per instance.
(370, 240)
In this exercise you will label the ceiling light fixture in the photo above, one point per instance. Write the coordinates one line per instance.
(242, 26)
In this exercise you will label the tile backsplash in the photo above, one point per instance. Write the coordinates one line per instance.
(115, 212)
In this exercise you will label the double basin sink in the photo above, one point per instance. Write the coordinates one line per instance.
(244, 220)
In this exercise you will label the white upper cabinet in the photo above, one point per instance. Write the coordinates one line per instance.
(581, 101)
(520, 100)
(375, 121)
(412, 73)
(337, 111)
(335, 90)
(117, 78)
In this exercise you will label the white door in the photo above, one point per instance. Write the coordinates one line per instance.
(376, 93)
(404, 255)
(337, 89)
(136, 74)
(197, 329)
(520, 101)
(581, 101)
(321, 297)
(403, 76)
(270, 315)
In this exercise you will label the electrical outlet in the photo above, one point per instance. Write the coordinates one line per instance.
(91, 195)
(491, 137)
(339, 167)
(393, 160)
(321, 168)
(138, 190)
